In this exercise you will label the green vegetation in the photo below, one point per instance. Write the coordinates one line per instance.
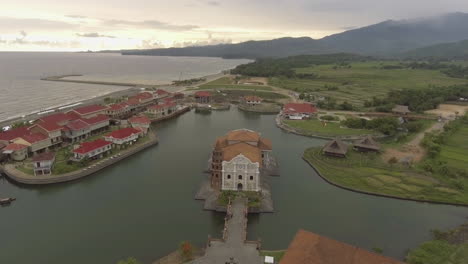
(129, 261)
(385, 125)
(189, 81)
(225, 83)
(319, 128)
(442, 176)
(277, 254)
(186, 250)
(254, 198)
(446, 248)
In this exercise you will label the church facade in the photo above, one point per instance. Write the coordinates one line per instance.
(237, 161)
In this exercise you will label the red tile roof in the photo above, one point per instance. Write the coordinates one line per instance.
(34, 137)
(87, 147)
(161, 92)
(202, 94)
(119, 106)
(144, 95)
(77, 125)
(140, 120)
(293, 108)
(58, 118)
(15, 147)
(14, 133)
(89, 109)
(49, 126)
(46, 156)
(311, 248)
(123, 133)
(133, 101)
(95, 120)
(252, 98)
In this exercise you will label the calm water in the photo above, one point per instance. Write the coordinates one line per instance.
(144, 206)
(22, 91)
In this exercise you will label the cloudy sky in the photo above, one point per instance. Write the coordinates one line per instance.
(62, 25)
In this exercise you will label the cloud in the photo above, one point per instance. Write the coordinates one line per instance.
(76, 16)
(213, 3)
(23, 40)
(93, 35)
(31, 24)
(153, 24)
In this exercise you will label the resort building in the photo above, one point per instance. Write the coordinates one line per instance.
(76, 130)
(162, 110)
(91, 150)
(401, 110)
(17, 152)
(43, 163)
(123, 136)
(251, 100)
(311, 248)
(140, 122)
(203, 97)
(36, 142)
(3, 156)
(119, 111)
(144, 99)
(367, 144)
(298, 111)
(51, 129)
(159, 94)
(335, 148)
(90, 111)
(237, 161)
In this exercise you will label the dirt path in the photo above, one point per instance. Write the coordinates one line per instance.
(413, 150)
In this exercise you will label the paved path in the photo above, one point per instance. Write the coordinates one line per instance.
(220, 252)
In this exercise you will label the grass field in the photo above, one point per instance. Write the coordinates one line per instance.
(455, 150)
(367, 172)
(363, 81)
(226, 83)
(236, 94)
(316, 127)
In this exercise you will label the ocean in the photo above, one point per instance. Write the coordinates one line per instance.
(22, 92)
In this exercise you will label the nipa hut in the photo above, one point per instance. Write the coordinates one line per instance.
(335, 148)
(366, 144)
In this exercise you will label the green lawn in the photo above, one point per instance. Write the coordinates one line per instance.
(363, 81)
(455, 150)
(236, 94)
(316, 127)
(224, 83)
(367, 172)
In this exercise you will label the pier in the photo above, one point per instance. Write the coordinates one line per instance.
(234, 246)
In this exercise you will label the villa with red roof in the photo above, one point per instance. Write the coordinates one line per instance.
(140, 122)
(51, 129)
(298, 111)
(203, 97)
(17, 152)
(43, 163)
(123, 136)
(90, 111)
(159, 94)
(119, 111)
(162, 110)
(251, 100)
(91, 150)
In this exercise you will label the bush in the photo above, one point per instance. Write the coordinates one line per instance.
(329, 118)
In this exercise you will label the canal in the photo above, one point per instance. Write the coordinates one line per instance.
(144, 207)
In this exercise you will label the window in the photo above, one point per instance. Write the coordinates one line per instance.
(251, 178)
(229, 176)
(240, 177)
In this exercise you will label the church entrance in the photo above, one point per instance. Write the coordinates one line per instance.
(239, 187)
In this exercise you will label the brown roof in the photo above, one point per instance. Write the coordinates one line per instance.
(310, 248)
(251, 152)
(367, 142)
(265, 144)
(243, 135)
(46, 156)
(336, 146)
(401, 109)
(221, 142)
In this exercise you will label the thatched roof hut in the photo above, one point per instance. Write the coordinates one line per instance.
(336, 148)
(401, 109)
(367, 144)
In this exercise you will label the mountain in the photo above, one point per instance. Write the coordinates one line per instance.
(392, 37)
(385, 38)
(453, 50)
(282, 47)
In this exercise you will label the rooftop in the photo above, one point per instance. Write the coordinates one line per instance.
(367, 142)
(119, 106)
(252, 98)
(95, 120)
(202, 94)
(123, 133)
(46, 156)
(292, 108)
(336, 146)
(34, 137)
(57, 118)
(14, 133)
(49, 126)
(77, 124)
(89, 109)
(243, 135)
(86, 147)
(14, 147)
(140, 120)
(251, 152)
(311, 248)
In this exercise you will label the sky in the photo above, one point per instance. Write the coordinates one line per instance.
(64, 25)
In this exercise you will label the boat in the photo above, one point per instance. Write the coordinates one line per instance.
(6, 201)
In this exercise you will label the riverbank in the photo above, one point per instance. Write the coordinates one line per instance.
(364, 173)
(264, 108)
(18, 176)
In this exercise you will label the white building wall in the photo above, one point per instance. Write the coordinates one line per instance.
(240, 170)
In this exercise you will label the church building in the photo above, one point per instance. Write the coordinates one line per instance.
(238, 159)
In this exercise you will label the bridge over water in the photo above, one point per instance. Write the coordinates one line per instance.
(233, 247)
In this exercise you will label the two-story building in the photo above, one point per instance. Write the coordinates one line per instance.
(298, 111)
(119, 110)
(91, 150)
(238, 159)
(140, 122)
(162, 110)
(124, 136)
(16, 152)
(90, 111)
(251, 100)
(203, 97)
(51, 129)
(43, 163)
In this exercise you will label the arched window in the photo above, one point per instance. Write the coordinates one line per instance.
(229, 176)
(240, 177)
(251, 178)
